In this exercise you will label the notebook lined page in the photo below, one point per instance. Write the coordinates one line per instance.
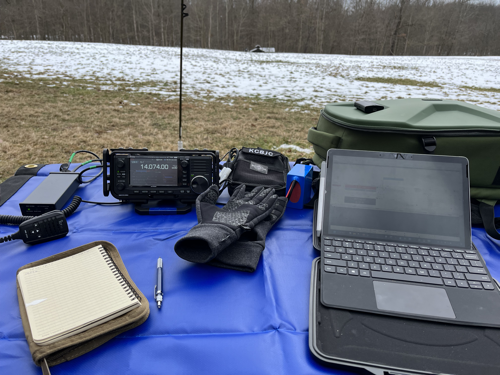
(73, 292)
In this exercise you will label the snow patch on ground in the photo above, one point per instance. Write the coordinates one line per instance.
(296, 148)
(305, 79)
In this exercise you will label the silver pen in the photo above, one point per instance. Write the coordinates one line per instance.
(159, 283)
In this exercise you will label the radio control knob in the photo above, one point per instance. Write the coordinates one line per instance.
(120, 186)
(120, 163)
(199, 184)
(184, 164)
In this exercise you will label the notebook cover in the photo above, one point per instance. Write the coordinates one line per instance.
(81, 343)
(378, 343)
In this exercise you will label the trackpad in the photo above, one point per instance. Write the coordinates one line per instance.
(412, 299)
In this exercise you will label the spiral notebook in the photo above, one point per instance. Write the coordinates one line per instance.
(73, 294)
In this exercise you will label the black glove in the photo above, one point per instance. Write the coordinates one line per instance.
(219, 227)
(244, 254)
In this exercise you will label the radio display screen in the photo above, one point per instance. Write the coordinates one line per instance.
(153, 171)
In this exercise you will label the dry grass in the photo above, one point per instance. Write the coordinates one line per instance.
(43, 121)
(398, 81)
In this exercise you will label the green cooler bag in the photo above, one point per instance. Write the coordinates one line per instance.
(441, 127)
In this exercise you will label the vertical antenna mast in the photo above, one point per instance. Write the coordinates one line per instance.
(183, 14)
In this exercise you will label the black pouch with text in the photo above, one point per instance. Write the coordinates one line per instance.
(259, 167)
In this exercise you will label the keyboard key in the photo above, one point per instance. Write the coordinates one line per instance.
(390, 249)
(412, 251)
(362, 252)
(401, 250)
(346, 244)
(337, 243)
(351, 251)
(406, 257)
(447, 250)
(473, 277)
(439, 260)
(357, 258)
(395, 256)
(435, 253)
(461, 269)
(348, 240)
(475, 263)
(450, 268)
(488, 286)
(387, 268)
(340, 250)
(368, 246)
(409, 278)
(364, 273)
(410, 271)
(421, 272)
(449, 282)
(458, 276)
(445, 254)
(342, 270)
(446, 275)
(398, 269)
(368, 259)
(372, 253)
(413, 247)
(464, 262)
(459, 251)
(452, 261)
(457, 256)
(379, 248)
(475, 286)
(363, 266)
(330, 269)
(434, 274)
(423, 252)
(390, 262)
(383, 254)
(346, 257)
(381, 243)
(413, 264)
(437, 267)
(332, 255)
(417, 258)
(379, 261)
(327, 242)
(352, 264)
(425, 247)
(353, 272)
(402, 263)
(471, 257)
(429, 259)
(332, 262)
(435, 248)
(375, 267)
(425, 265)
(481, 271)
(329, 249)
(462, 284)
(358, 245)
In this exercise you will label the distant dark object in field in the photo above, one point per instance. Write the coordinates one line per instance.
(257, 49)
(262, 49)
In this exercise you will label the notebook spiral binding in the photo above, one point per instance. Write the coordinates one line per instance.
(131, 292)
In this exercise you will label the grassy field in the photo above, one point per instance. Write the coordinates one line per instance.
(44, 121)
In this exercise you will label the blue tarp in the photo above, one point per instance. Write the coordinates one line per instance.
(213, 320)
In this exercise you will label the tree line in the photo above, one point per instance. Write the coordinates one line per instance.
(366, 27)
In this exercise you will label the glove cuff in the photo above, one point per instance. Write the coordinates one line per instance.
(204, 242)
(240, 256)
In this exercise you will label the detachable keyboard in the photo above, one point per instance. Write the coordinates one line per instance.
(402, 262)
